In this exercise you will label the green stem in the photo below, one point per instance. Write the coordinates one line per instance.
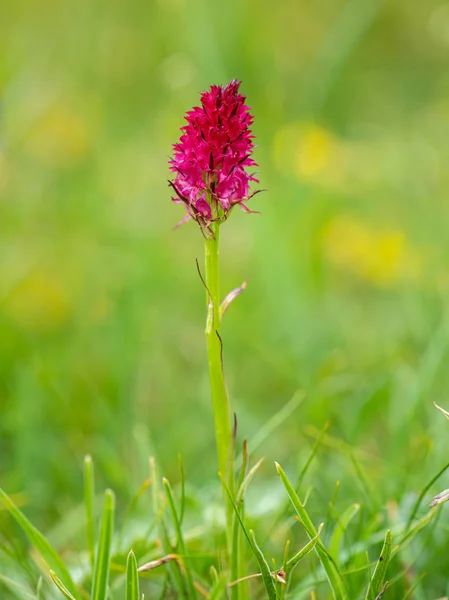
(220, 400)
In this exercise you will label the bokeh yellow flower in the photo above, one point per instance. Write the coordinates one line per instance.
(309, 151)
(383, 257)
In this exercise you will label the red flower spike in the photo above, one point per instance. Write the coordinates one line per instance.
(212, 154)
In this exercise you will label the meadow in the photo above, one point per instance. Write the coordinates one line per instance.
(337, 349)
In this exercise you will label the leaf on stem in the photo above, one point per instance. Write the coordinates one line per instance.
(229, 299)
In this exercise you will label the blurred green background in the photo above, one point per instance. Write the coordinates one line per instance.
(101, 308)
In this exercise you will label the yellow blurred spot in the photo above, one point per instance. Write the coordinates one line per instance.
(59, 138)
(38, 303)
(314, 151)
(310, 152)
(380, 257)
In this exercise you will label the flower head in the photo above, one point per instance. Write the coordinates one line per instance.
(212, 154)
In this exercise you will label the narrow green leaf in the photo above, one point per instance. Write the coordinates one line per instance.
(13, 586)
(331, 569)
(89, 496)
(286, 553)
(179, 538)
(237, 558)
(103, 556)
(172, 567)
(61, 586)
(40, 543)
(294, 560)
(411, 591)
(331, 513)
(340, 528)
(378, 578)
(155, 485)
(286, 569)
(244, 467)
(312, 455)
(183, 490)
(303, 473)
(371, 497)
(417, 527)
(423, 493)
(219, 588)
(132, 578)
(129, 511)
(39, 592)
(247, 480)
(276, 420)
(263, 565)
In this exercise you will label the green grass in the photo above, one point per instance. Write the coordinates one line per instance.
(343, 321)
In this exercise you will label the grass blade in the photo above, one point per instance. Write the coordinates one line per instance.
(132, 578)
(183, 490)
(245, 461)
(218, 589)
(303, 473)
(39, 586)
(89, 496)
(13, 586)
(247, 480)
(408, 535)
(377, 580)
(181, 549)
(174, 575)
(238, 558)
(331, 569)
(61, 587)
(340, 528)
(155, 486)
(276, 420)
(422, 494)
(40, 543)
(294, 560)
(237, 555)
(263, 565)
(173, 567)
(103, 557)
(131, 507)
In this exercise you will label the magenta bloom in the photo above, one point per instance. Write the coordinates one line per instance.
(212, 154)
